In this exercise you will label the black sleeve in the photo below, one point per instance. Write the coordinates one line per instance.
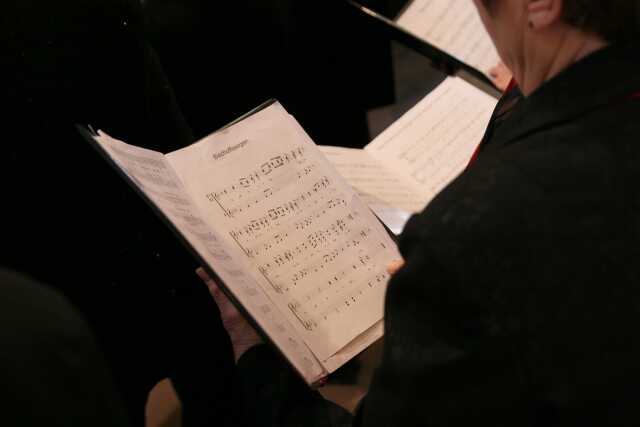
(445, 362)
(440, 367)
(269, 393)
(453, 345)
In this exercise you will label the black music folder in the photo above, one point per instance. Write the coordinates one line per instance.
(290, 242)
(292, 231)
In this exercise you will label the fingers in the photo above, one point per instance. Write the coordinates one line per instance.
(499, 70)
(211, 284)
(241, 333)
(394, 267)
(227, 309)
(203, 275)
(501, 76)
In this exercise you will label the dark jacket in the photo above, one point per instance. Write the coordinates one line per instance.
(70, 221)
(519, 301)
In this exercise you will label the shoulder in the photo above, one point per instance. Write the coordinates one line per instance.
(572, 166)
(486, 198)
(551, 208)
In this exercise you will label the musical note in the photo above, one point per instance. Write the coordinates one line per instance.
(275, 215)
(249, 192)
(296, 228)
(295, 308)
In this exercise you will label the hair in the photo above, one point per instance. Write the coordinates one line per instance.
(613, 20)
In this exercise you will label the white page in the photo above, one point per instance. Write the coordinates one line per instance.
(453, 26)
(374, 183)
(433, 142)
(316, 250)
(156, 178)
(391, 198)
(355, 347)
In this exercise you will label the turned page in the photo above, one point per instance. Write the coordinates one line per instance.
(392, 198)
(409, 163)
(152, 174)
(433, 142)
(312, 245)
(453, 26)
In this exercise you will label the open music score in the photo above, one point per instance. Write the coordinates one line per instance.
(318, 252)
(290, 239)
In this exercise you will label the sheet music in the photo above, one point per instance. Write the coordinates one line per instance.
(156, 178)
(453, 26)
(355, 347)
(316, 250)
(433, 143)
(391, 198)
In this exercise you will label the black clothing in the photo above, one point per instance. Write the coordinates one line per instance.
(51, 371)
(326, 63)
(222, 57)
(71, 222)
(519, 300)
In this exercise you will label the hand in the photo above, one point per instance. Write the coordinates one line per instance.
(501, 76)
(242, 334)
(394, 267)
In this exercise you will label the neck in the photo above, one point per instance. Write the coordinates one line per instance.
(550, 58)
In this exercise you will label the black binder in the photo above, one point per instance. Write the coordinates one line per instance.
(89, 133)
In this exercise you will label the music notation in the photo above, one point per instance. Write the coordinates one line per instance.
(374, 279)
(289, 240)
(146, 170)
(300, 231)
(311, 242)
(433, 142)
(291, 221)
(453, 26)
(323, 279)
(155, 176)
(308, 324)
(242, 195)
(273, 216)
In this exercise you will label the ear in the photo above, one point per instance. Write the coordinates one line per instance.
(544, 13)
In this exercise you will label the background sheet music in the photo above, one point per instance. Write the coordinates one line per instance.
(453, 26)
(409, 163)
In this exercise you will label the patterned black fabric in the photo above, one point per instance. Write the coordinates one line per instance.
(518, 304)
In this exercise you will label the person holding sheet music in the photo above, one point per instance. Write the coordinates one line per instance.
(517, 303)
